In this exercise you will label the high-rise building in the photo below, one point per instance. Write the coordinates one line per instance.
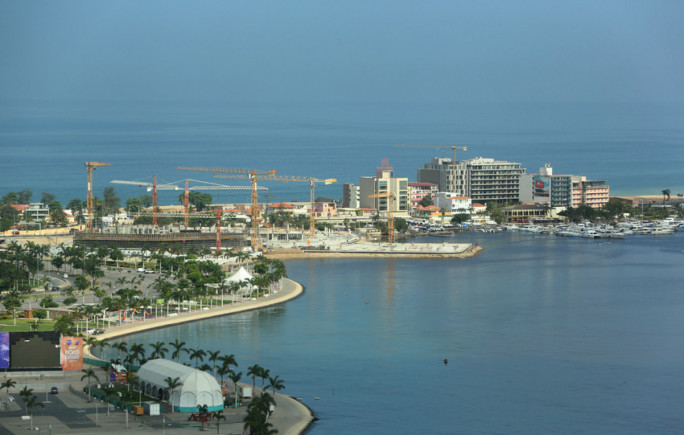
(384, 182)
(350, 196)
(563, 190)
(481, 179)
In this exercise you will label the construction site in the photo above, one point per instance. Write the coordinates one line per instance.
(182, 237)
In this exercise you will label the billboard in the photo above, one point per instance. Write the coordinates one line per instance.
(541, 188)
(4, 350)
(72, 353)
(34, 350)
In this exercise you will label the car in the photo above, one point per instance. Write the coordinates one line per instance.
(55, 288)
(54, 390)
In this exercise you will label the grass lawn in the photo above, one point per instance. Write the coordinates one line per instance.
(23, 325)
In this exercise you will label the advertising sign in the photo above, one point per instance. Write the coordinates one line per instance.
(72, 353)
(541, 189)
(4, 350)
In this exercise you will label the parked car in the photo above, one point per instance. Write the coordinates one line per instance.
(54, 390)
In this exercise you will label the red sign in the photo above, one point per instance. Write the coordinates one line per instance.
(71, 353)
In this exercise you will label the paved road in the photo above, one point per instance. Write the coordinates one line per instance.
(69, 412)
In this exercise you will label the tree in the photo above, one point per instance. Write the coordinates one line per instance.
(12, 303)
(75, 205)
(108, 392)
(121, 346)
(137, 352)
(235, 377)
(254, 371)
(89, 373)
(9, 383)
(276, 384)
(46, 198)
(179, 347)
(112, 203)
(666, 193)
(426, 201)
(172, 384)
(24, 196)
(31, 402)
(197, 355)
(202, 410)
(218, 416)
(159, 351)
(198, 199)
(65, 325)
(257, 413)
(213, 357)
(459, 218)
(8, 217)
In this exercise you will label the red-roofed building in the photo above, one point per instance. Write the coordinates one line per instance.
(418, 191)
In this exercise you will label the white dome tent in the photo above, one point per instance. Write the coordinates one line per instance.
(198, 387)
(240, 276)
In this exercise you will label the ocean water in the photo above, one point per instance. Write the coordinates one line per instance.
(637, 149)
(541, 334)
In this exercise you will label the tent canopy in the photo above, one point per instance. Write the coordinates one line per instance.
(240, 275)
(197, 387)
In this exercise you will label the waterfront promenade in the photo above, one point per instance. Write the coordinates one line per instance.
(70, 412)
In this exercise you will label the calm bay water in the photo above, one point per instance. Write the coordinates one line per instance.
(542, 335)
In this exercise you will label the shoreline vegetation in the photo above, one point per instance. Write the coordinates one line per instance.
(290, 290)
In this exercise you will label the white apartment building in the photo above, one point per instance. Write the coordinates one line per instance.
(481, 179)
(454, 203)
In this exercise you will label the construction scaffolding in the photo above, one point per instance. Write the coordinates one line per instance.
(182, 240)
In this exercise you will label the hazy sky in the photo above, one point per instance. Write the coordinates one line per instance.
(369, 51)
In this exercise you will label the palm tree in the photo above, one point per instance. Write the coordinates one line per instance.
(213, 356)
(121, 346)
(202, 410)
(235, 377)
(257, 413)
(137, 352)
(9, 383)
(31, 401)
(89, 373)
(254, 371)
(218, 416)
(159, 350)
(26, 393)
(172, 384)
(179, 347)
(275, 384)
(197, 354)
(264, 374)
(91, 342)
(107, 392)
(222, 371)
(228, 360)
(666, 193)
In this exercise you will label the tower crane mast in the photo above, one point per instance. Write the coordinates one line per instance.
(453, 159)
(154, 187)
(253, 175)
(90, 166)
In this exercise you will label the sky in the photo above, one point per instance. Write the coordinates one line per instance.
(342, 51)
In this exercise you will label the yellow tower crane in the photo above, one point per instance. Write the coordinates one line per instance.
(253, 175)
(90, 166)
(390, 209)
(312, 184)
